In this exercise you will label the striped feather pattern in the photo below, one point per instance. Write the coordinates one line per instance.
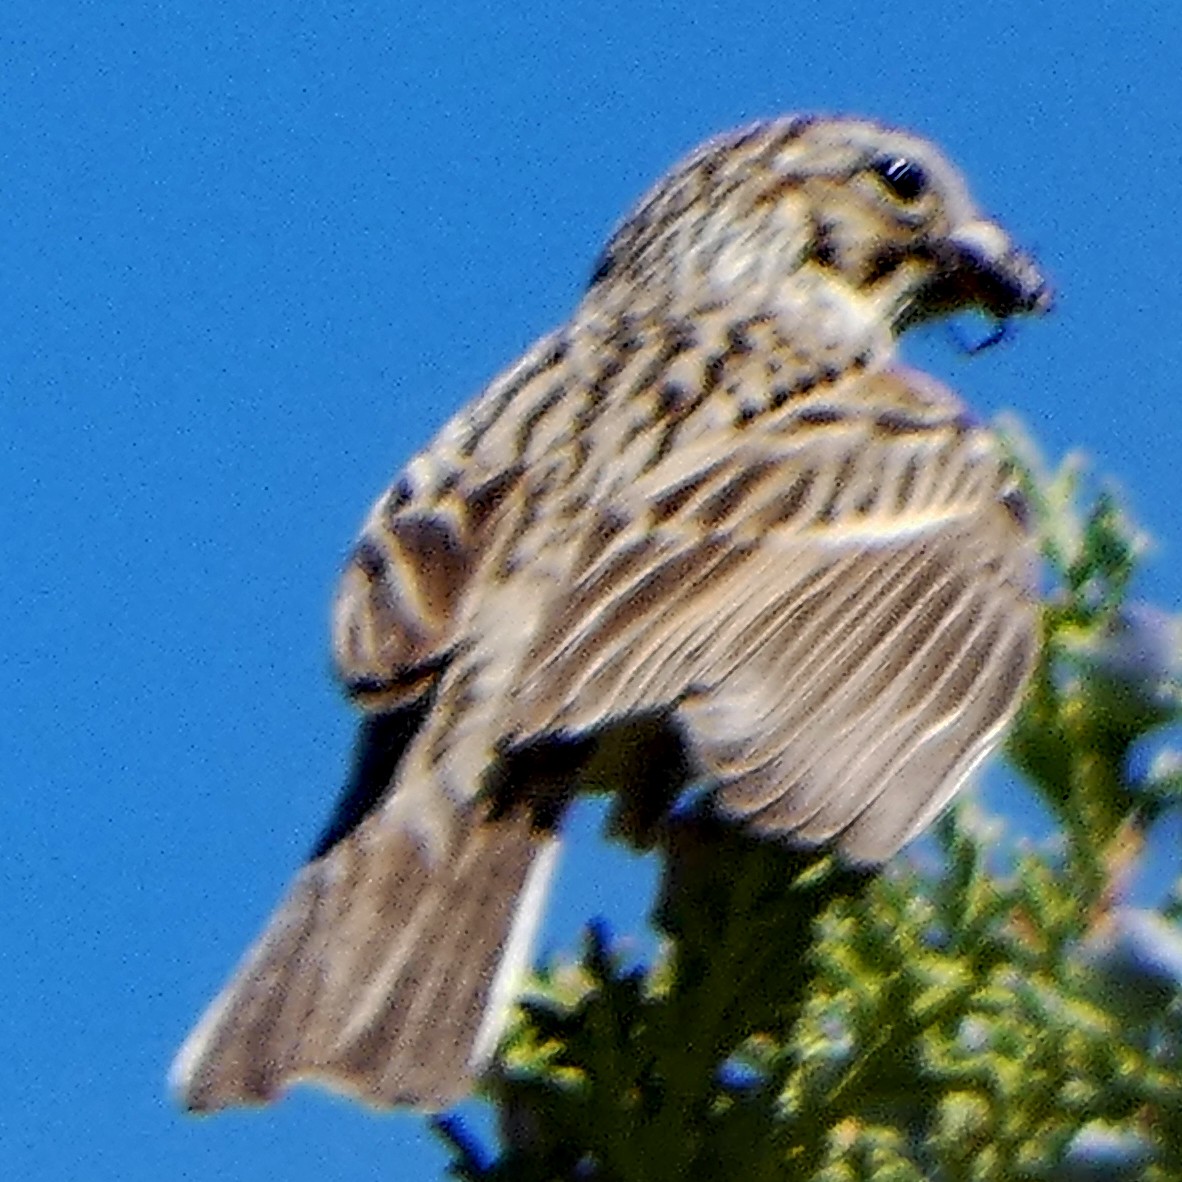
(712, 498)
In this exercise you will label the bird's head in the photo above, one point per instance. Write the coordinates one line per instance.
(763, 217)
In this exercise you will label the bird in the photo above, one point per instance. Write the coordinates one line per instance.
(713, 505)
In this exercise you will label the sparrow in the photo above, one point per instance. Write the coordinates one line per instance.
(712, 504)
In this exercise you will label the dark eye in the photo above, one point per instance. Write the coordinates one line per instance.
(906, 179)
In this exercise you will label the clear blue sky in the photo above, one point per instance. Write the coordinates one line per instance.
(253, 255)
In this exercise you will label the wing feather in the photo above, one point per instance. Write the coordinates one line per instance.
(843, 618)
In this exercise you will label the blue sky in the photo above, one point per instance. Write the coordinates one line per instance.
(254, 254)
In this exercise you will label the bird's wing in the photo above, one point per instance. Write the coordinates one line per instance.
(838, 606)
(401, 602)
(398, 603)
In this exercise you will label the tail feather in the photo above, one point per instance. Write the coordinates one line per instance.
(383, 974)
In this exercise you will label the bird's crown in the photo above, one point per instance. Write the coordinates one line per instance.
(877, 211)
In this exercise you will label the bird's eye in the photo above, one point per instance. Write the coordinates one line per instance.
(905, 179)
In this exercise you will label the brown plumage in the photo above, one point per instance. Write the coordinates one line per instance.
(712, 498)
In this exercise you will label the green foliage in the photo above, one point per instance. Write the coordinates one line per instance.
(995, 1012)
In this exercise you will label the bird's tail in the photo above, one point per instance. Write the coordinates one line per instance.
(383, 974)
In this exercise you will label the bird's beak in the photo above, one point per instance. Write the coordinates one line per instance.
(994, 273)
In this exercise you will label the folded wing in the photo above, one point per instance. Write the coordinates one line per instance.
(840, 607)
